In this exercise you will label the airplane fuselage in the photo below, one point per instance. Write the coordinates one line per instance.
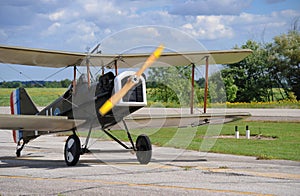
(83, 101)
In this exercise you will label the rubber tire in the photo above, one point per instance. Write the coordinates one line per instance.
(73, 149)
(144, 149)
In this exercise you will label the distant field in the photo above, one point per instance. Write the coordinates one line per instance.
(279, 102)
(40, 96)
(44, 96)
(274, 104)
(279, 140)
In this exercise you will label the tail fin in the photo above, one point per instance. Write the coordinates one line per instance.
(21, 103)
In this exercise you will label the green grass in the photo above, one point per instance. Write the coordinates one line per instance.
(285, 142)
(40, 96)
(275, 104)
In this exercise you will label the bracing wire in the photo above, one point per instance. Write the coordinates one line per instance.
(53, 74)
(26, 76)
(29, 78)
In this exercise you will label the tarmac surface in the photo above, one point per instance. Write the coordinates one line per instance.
(41, 170)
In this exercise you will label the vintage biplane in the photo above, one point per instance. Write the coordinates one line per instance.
(102, 104)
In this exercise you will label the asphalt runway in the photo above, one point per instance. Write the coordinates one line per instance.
(41, 170)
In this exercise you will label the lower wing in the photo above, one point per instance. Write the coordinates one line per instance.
(139, 121)
(50, 124)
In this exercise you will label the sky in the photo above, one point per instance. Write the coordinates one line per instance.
(191, 25)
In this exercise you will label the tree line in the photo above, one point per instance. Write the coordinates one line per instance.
(274, 65)
(36, 84)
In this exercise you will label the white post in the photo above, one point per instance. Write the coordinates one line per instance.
(237, 134)
(247, 132)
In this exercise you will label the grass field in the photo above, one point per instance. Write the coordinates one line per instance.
(280, 140)
(44, 96)
(40, 96)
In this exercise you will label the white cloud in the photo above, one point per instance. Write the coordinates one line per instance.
(92, 20)
(211, 7)
(246, 25)
(102, 9)
(72, 25)
(209, 27)
(52, 29)
(57, 15)
(82, 34)
(107, 31)
(188, 26)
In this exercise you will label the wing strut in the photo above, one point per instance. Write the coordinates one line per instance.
(88, 72)
(192, 90)
(193, 86)
(206, 84)
(116, 66)
(74, 79)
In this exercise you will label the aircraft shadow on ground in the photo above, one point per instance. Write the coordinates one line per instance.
(38, 162)
(31, 162)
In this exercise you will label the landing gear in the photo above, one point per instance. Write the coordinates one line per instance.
(72, 150)
(143, 149)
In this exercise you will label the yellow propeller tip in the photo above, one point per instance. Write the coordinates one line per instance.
(158, 51)
(106, 107)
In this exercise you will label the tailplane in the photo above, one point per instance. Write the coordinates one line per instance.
(21, 103)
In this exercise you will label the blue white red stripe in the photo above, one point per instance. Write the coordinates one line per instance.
(16, 110)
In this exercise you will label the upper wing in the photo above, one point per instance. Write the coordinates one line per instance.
(39, 57)
(35, 122)
(51, 58)
(177, 59)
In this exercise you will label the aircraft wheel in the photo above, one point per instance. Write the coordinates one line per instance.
(144, 149)
(72, 150)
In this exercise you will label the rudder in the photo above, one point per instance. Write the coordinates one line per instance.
(21, 103)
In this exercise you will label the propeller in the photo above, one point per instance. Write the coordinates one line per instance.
(133, 80)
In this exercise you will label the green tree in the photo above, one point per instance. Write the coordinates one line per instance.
(13, 84)
(170, 84)
(284, 58)
(217, 91)
(250, 76)
(65, 83)
(53, 84)
(230, 88)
